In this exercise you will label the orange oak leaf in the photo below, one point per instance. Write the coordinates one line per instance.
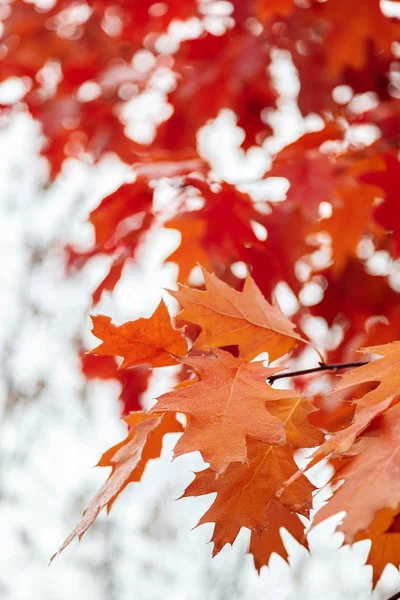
(231, 404)
(145, 341)
(385, 546)
(245, 319)
(270, 540)
(371, 481)
(127, 460)
(244, 491)
(385, 372)
(228, 405)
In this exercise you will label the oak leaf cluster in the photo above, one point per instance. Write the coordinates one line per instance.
(333, 243)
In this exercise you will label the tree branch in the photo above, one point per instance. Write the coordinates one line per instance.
(322, 367)
(395, 597)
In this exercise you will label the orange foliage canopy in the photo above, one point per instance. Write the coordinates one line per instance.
(333, 240)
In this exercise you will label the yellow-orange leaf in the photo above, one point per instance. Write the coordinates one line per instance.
(145, 341)
(245, 319)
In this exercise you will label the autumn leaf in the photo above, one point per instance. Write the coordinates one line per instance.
(386, 213)
(383, 371)
(110, 280)
(145, 341)
(232, 403)
(212, 235)
(228, 317)
(245, 490)
(385, 537)
(270, 540)
(133, 382)
(229, 404)
(331, 245)
(238, 80)
(359, 298)
(370, 481)
(350, 220)
(141, 20)
(190, 251)
(287, 243)
(312, 174)
(351, 43)
(128, 200)
(127, 460)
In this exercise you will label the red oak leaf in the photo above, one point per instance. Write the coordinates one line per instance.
(145, 341)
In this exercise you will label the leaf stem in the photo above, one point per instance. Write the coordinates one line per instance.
(322, 367)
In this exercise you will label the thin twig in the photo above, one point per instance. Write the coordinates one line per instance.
(322, 367)
(395, 597)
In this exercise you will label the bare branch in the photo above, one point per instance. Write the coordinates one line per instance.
(322, 367)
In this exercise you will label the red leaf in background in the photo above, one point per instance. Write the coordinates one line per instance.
(350, 220)
(275, 259)
(130, 199)
(387, 214)
(133, 381)
(137, 19)
(364, 306)
(229, 70)
(191, 251)
(59, 50)
(221, 230)
(311, 35)
(350, 43)
(312, 174)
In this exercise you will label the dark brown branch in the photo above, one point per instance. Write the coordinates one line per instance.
(395, 597)
(322, 367)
